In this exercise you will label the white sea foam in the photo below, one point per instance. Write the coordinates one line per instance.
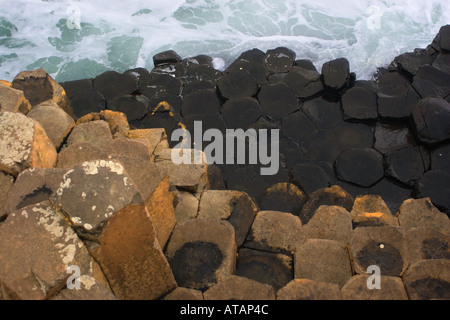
(121, 35)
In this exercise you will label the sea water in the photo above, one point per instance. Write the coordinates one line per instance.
(81, 39)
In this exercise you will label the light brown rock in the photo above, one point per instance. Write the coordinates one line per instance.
(6, 184)
(356, 288)
(422, 213)
(23, 144)
(186, 206)
(13, 100)
(184, 294)
(239, 288)
(427, 243)
(372, 211)
(304, 289)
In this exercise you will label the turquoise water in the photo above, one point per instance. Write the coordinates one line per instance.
(80, 39)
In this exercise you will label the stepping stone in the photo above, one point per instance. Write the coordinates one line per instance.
(96, 133)
(234, 206)
(305, 64)
(198, 258)
(208, 121)
(200, 102)
(323, 113)
(329, 223)
(372, 211)
(117, 121)
(160, 85)
(273, 269)
(336, 74)
(323, 261)
(274, 231)
(430, 117)
(239, 288)
(428, 243)
(23, 144)
(197, 86)
(33, 186)
(279, 60)
(166, 120)
(359, 104)
(255, 69)
(241, 113)
(254, 55)
(363, 167)
(237, 84)
(56, 122)
(440, 158)
(435, 185)
(165, 57)
(322, 146)
(432, 82)
(406, 165)
(411, 62)
(353, 135)
(392, 137)
(428, 279)
(81, 152)
(95, 293)
(384, 247)
(444, 33)
(186, 206)
(83, 98)
(356, 288)
(170, 103)
(283, 196)
(112, 84)
(442, 62)
(422, 213)
(6, 184)
(200, 72)
(333, 196)
(30, 272)
(38, 86)
(13, 100)
(154, 137)
(310, 176)
(392, 193)
(135, 107)
(297, 126)
(305, 83)
(277, 100)
(184, 294)
(304, 289)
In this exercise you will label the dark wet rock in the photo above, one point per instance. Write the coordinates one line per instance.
(329, 223)
(428, 279)
(305, 83)
(432, 82)
(321, 146)
(440, 158)
(277, 100)
(333, 196)
(274, 231)
(200, 72)
(38, 86)
(290, 154)
(336, 74)
(396, 101)
(363, 167)
(167, 120)
(198, 258)
(208, 121)
(435, 185)
(430, 118)
(234, 206)
(393, 194)
(197, 86)
(160, 85)
(135, 107)
(392, 288)
(255, 69)
(323, 260)
(392, 137)
(354, 135)
(370, 85)
(254, 55)
(56, 122)
(239, 288)
(380, 246)
(297, 126)
(169, 56)
(183, 294)
(112, 84)
(405, 165)
(442, 62)
(444, 33)
(285, 197)
(241, 113)
(200, 102)
(83, 98)
(305, 64)
(305, 289)
(237, 84)
(359, 104)
(310, 177)
(323, 113)
(279, 60)
(411, 62)
(269, 268)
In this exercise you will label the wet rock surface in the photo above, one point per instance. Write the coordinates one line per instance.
(362, 181)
